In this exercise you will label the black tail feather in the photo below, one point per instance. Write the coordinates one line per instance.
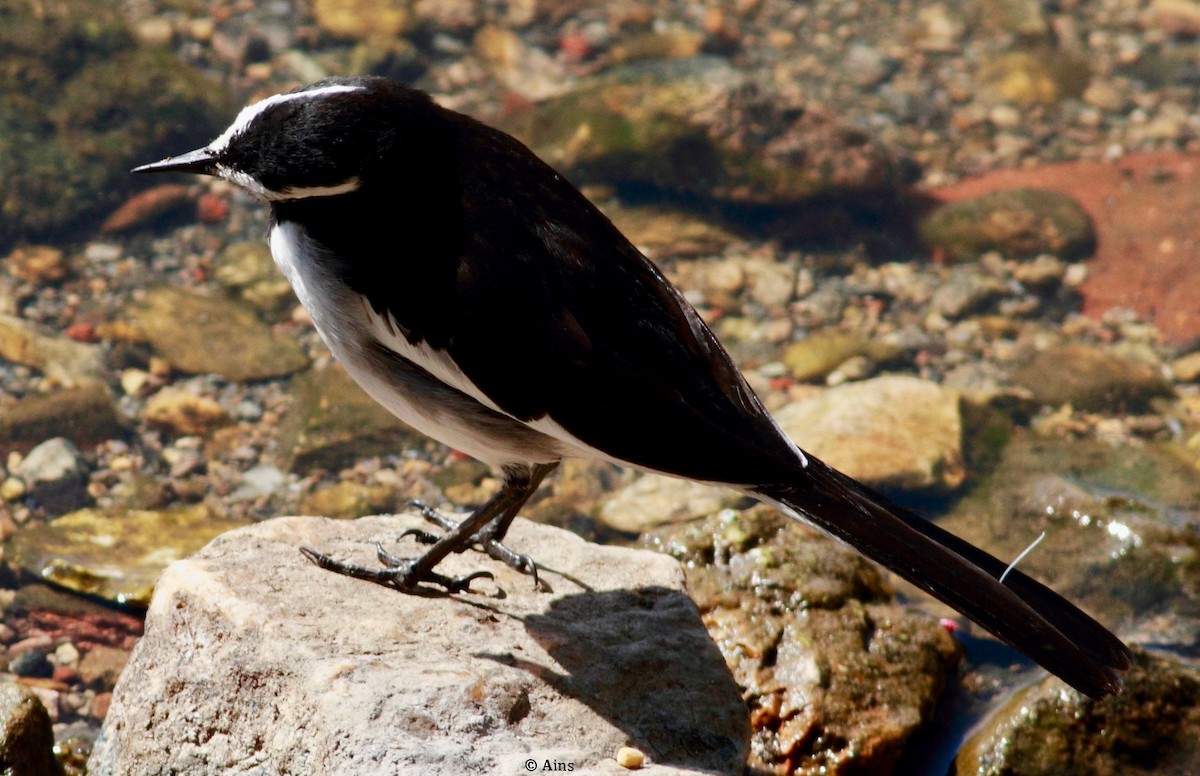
(1022, 612)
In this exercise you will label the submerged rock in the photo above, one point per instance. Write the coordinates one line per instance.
(210, 334)
(85, 415)
(333, 422)
(1152, 727)
(81, 103)
(254, 659)
(115, 555)
(1019, 223)
(55, 476)
(1091, 378)
(680, 125)
(894, 432)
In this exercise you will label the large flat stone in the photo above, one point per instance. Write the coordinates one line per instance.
(256, 662)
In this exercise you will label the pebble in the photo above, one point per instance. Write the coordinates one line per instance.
(55, 476)
(37, 264)
(628, 757)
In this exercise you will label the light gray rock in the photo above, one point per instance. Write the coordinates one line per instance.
(653, 500)
(55, 476)
(894, 431)
(256, 662)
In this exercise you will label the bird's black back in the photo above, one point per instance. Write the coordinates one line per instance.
(480, 249)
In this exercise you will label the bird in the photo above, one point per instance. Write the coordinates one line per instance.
(475, 293)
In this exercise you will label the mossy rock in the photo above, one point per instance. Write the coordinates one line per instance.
(80, 106)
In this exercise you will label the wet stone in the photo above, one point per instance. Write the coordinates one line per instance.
(653, 500)
(1091, 378)
(55, 476)
(102, 666)
(114, 556)
(247, 269)
(1018, 223)
(809, 630)
(349, 500)
(820, 353)
(26, 736)
(894, 432)
(207, 334)
(85, 415)
(333, 423)
(184, 413)
(65, 361)
(1151, 727)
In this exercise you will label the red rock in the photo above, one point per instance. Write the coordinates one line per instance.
(211, 209)
(100, 705)
(1148, 238)
(144, 207)
(82, 332)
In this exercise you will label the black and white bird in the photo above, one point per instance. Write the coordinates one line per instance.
(475, 293)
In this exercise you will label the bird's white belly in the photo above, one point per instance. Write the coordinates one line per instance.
(348, 326)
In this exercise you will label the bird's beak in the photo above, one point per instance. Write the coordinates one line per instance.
(201, 161)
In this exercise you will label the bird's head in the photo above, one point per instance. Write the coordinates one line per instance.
(317, 140)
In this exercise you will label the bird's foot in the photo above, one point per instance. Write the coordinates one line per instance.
(399, 573)
(484, 541)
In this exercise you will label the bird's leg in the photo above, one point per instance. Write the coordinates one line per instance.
(488, 538)
(407, 575)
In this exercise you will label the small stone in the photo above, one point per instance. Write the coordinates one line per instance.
(66, 654)
(895, 432)
(31, 663)
(332, 423)
(1018, 223)
(102, 666)
(183, 413)
(134, 382)
(362, 19)
(1091, 378)
(193, 333)
(258, 482)
(247, 269)
(1187, 368)
(348, 500)
(653, 500)
(55, 476)
(26, 734)
(12, 489)
(37, 264)
(63, 360)
(628, 757)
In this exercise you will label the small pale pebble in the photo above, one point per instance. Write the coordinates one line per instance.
(66, 654)
(101, 251)
(121, 463)
(201, 29)
(12, 489)
(133, 381)
(628, 757)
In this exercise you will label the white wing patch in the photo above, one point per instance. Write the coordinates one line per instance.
(436, 362)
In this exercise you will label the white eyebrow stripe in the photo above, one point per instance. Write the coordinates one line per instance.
(249, 113)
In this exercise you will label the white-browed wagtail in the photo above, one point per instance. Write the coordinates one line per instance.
(475, 293)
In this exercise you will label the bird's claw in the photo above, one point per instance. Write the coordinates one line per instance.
(396, 573)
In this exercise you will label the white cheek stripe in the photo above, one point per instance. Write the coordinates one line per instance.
(249, 113)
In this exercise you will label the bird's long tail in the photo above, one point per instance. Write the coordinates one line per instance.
(1021, 611)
